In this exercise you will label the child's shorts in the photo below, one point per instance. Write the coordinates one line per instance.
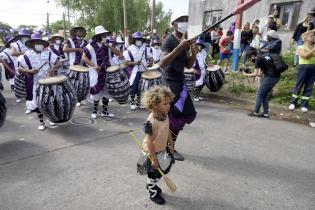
(224, 56)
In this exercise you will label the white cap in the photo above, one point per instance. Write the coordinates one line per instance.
(178, 15)
(273, 34)
(119, 40)
(100, 30)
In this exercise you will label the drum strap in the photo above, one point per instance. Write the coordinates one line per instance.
(29, 81)
(18, 46)
(131, 56)
(9, 57)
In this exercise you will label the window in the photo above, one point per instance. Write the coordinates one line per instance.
(288, 13)
(211, 17)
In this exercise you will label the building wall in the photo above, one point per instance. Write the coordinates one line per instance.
(258, 11)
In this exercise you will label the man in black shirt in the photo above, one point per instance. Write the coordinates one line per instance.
(175, 56)
(264, 67)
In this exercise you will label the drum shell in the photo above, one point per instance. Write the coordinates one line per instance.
(117, 85)
(80, 82)
(57, 101)
(19, 86)
(3, 109)
(215, 80)
(146, 84)
(190, 80)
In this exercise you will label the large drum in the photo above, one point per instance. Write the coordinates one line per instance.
(79, 79)
(3, 110)
(56, 98)
(117, 84)
(19, 86)
(149, 79)
(214, 78)
(125, 69)
(190, 80)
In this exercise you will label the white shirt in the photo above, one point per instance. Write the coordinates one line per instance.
(138, 54)
(19, 46)
(156, 54)
(7, 55)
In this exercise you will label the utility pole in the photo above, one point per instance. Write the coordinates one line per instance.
(64, 26)
(153, 15)
(47, 15)
(69, 15)
(125, 25)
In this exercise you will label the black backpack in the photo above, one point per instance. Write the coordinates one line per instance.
(280, 65)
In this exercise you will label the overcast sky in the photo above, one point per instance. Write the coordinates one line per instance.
(33, 12)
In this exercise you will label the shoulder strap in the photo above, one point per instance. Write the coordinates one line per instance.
(145, 53)
(18, 46)
(49, 58)
(8, 57)
(131, 56)
(28, 62)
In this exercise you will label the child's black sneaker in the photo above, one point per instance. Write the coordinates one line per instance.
(159, 190)
(158, 199)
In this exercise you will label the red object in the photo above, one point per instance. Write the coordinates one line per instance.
(244, 6)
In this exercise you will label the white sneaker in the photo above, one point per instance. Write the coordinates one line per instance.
(200, 98)
(51, 123)
(18, 100)
(41, 127)
(110, 100)
(78, 104)
(94, 115)
(292, 107)
(133, 106)
(312, 124)
(28, 111)
(196, 99)
(304, 109)
(107, 114)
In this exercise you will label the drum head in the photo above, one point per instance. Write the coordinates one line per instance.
(153, 74)
(154, 67)
(189, 71)
(214, 68)
(113, 68)
(53, 80)
(123, 66)
(79, 68)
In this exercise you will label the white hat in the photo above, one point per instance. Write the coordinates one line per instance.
(273, 34)
(119, 40)
(100, 30)
(178, 15)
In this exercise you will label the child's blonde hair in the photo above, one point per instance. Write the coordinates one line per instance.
(307, 34)
(156, 95)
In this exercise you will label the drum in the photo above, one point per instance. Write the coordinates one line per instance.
(56, 98)
(3, 110)
(155, 67)
(149, 79)
(19, 86)
(79, 79)
(190, 80)
(214, 78)
(125, 69)
(117, 84)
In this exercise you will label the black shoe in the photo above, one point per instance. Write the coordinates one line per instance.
(254, 114)
(178, 156)
(158, 199)
(159, 190)
(264, 116)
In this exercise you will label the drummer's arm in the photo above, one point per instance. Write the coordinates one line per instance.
(23, 70)
(67, 49)
(115, 51)
(257, 73)
(191, 58)
(7, 67)
(90, 63)
(16, 53)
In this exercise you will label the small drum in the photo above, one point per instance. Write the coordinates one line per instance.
(56, 98)
(19, 86)
(214, 78)
(155, 67)
(190, 80)
(79, 79)
(117, 83)
(149, 79)
(3, 110)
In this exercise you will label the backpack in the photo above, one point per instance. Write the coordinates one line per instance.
(280, 65)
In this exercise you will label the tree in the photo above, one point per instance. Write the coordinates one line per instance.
(4, 30)
(58, 25)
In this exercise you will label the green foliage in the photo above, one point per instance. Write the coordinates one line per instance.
(58, 25)
(4, 26)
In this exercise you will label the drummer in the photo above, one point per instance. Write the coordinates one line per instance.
(96, 56)
(121, 47)
(156, 50)
(138, 58)
(113, 58)
(36, 63)
(57, 45)
(200, 66)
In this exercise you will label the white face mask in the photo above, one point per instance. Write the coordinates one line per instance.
(79, 37)
(24, 39)
(138, 43)
(110, 44)
(39, 47)
(58, 42)
(182, 27)
(103, 39)
(156, 47)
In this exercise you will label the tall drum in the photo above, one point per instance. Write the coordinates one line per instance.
(117, 84)
(149, 79)
(19, 86)
(56, 98)
(3, 110)
(214, 78)
(190, 80)
(79, 79)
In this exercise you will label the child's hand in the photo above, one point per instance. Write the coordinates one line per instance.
(155, 164)
(171, 148)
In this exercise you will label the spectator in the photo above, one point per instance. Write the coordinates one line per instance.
(220, 32)
(263, 67)
(264, 29)
(215, 38)
(301, 28)
(273, 44)
(155, 36)
(305, 72)
(225, 50)
(256, 35)
(246, 39)
(277, 18)
(166, 33)
(206, 38)
(255, 25)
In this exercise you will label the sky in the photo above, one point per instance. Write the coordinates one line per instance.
(34, 12)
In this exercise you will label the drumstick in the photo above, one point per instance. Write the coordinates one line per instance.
(166, 179)
(236, 11)
(42, 66)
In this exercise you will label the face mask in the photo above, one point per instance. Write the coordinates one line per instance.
(138, 43)
(58, 42)
(156, 47)
(78, 37)
(118, 46)
(39, 47)
(154, 31)
(110, 44)
(182, 27)
(24, 39)
(103, 40)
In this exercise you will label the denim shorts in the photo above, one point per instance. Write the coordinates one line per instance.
(224, 56)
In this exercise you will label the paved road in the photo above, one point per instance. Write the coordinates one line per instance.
(232, 162)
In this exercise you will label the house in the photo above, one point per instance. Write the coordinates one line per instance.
(203, 13)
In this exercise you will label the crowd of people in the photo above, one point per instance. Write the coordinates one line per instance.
(34, 58)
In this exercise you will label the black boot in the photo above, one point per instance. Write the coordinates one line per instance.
(154, 195)
(159, 190)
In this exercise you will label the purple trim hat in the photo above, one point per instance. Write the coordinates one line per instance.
(75, 29)
(8, 40)
(111, 39)
(137, 35)
(36, 37)
(156, 41)
(23, 32)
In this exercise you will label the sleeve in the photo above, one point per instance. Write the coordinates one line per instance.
(167, 46)
(275, 46)
(259, 62)
(296, 32)
(53, 58)
(21, 62)
(126, 56)
(87, 53)
(68, 43)
(149, 52)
